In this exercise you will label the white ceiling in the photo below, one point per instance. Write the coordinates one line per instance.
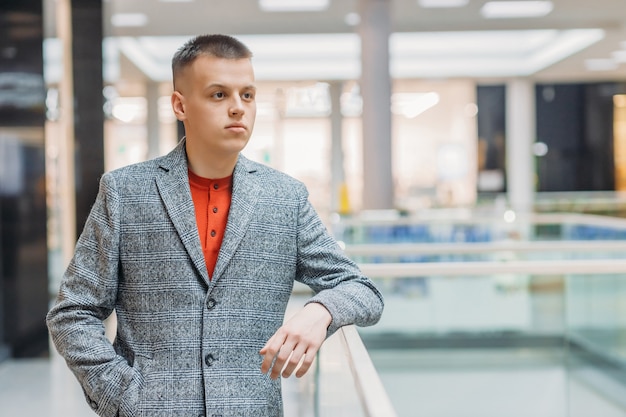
(426, 43)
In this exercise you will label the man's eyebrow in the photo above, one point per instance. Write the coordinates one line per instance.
(215, 85)
(227, 87)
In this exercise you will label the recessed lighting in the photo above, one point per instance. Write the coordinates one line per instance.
(129, 19)
(352, 19)
(540, 149)
(619, 56)
(442, 3)
(293, 6)
(516, 9)
(600, 64)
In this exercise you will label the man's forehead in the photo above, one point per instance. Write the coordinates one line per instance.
(219, 71)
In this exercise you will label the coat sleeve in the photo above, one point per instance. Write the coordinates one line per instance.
(339, 285)
(86, 298)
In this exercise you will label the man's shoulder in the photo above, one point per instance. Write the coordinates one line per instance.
(138, 178)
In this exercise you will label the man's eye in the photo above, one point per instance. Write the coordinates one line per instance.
(248, 96)
(218, 95)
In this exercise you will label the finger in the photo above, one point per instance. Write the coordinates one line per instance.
(293, 362)
(270, 350)
(307, 361)
(282, 357)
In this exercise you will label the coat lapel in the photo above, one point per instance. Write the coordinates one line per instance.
(245, 197)
(173, 184)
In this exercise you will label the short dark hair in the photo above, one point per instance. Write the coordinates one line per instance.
(220, 46)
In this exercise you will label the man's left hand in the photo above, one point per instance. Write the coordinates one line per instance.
(298, 340)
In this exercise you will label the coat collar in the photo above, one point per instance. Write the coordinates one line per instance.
(173, 184)
(243, 206)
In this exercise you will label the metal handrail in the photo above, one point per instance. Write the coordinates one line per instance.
(413, 269)
(469, 217)
(370, 389)
(400, 249)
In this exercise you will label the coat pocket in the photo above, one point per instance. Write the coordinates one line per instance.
(131, 403)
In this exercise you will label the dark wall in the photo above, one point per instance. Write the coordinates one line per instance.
(560, 125)
(88, 103)
(598, 169)
(23, 241)
(491, 100)
(575, 121)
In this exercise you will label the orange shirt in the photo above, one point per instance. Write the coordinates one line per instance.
(211, 198)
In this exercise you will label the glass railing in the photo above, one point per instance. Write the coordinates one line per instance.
(506, 317)
(466, 226)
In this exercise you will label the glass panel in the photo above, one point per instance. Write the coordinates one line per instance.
(541, 343)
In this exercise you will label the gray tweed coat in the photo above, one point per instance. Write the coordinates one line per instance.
(187, 345)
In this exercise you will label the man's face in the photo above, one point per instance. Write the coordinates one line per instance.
(215, 99)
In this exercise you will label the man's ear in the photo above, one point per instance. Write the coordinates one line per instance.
(178, 105)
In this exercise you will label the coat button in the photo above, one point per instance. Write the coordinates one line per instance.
(209, 359)
(211, 303)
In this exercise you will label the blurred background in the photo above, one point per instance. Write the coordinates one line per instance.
(470, 155)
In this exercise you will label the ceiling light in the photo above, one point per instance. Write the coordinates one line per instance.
(293, 6)
(129, 20)
(352, 19)
(619, 56)
(336, 56)
(484, 53)
(442, 3)
(515, 9)
(411, 105)
(600, 65)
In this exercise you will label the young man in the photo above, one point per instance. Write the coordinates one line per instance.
(197, 253)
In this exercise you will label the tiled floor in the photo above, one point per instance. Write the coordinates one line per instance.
(40, 387)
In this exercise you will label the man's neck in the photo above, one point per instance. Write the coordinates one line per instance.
(212, 168)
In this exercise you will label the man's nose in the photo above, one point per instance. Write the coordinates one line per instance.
(236, 107)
